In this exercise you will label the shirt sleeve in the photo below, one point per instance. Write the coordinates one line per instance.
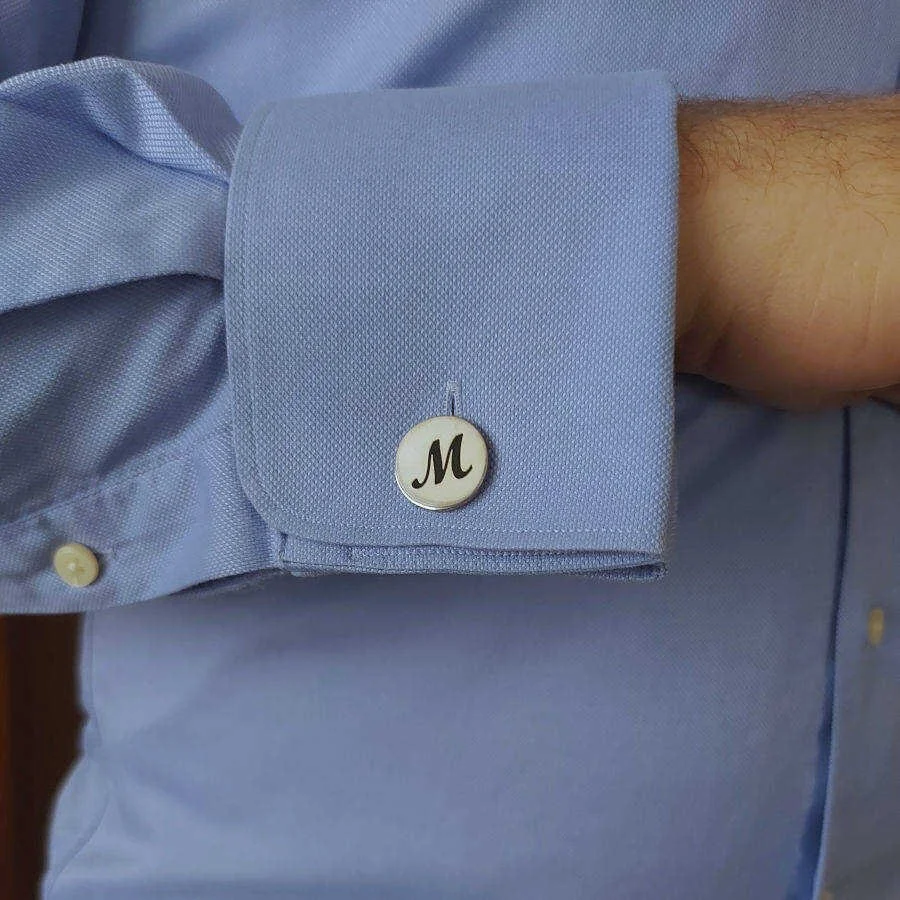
(212, 337)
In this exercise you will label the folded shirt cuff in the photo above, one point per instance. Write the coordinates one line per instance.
(504, 252)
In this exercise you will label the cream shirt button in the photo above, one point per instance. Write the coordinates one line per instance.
(875, 627)
(441, 462)
(76, 564)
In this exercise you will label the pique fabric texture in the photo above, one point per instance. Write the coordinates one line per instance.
(494, 225)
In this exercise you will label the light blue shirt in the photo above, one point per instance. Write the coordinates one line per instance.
(244, 247)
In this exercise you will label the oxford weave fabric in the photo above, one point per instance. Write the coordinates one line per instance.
(472, 237)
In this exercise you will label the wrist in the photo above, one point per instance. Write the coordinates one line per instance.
(788, 217)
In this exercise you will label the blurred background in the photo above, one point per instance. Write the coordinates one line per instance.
(39, 725)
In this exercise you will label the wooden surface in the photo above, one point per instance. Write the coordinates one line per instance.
(39, 724)
(6, 801)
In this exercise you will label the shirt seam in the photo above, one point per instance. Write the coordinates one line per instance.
(159, 461)
(431, 550)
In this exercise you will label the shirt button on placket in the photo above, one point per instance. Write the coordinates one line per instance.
(875, 626)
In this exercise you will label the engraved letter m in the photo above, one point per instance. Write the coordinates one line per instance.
(452, 461)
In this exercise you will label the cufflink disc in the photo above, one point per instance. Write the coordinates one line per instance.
(441, 462)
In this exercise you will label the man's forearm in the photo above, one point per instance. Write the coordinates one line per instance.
(789, 247)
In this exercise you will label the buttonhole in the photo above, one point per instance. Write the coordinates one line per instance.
(452, 403)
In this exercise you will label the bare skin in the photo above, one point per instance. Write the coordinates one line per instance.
(789, 248)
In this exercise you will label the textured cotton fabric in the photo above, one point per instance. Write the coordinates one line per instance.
(702, 717)
(506, 217)
(458, 244)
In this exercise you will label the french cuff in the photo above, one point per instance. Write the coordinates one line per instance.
(505, 253)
